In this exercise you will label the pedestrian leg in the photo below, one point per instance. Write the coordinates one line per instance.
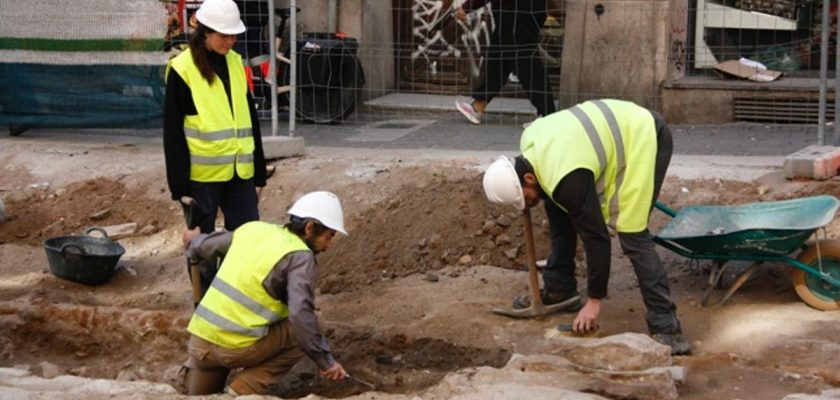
(534, 79)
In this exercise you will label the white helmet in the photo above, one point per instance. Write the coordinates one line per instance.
(501, 184)
(322, 206)
(221, 16)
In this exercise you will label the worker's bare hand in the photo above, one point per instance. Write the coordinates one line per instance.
(461, 15)
(335, 373)
(189, 235)
(587, 317)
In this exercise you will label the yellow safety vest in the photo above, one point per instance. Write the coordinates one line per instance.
(220, 141)
(614, 139)
(236, 311)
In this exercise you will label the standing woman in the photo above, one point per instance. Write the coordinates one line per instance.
(211, 134)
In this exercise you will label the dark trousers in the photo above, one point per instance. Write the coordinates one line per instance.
(509, 52)
(237, 198)
(559, 277)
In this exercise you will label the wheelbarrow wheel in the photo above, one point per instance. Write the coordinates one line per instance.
(812, 290)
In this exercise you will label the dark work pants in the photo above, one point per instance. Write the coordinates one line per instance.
(237, 198)
(518, 53)
(559, 276)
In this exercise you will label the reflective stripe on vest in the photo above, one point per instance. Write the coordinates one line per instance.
(616, 140)
(219, 136)
(227, 324)
(602, 156)
(221, 160)
(237, 311)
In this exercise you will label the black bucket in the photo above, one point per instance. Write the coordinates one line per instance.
(83, 259)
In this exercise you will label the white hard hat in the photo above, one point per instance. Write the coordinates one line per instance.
(322, 206)
(221, 16)
(501, 184)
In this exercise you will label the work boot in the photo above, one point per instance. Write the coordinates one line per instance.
(679, 346)
(549, 298)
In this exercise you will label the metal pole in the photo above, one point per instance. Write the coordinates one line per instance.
(836, 93)
(272, 64)
(332, 16)
(823, 71)
(293, 69)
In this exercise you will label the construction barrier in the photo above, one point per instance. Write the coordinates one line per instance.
(85, 63)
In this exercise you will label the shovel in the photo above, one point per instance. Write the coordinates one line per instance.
(537, 308)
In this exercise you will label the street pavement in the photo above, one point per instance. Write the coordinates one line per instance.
(448, 130)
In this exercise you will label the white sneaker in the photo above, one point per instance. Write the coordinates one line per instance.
(466, 108)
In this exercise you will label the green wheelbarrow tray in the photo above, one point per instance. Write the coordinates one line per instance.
(760, 232)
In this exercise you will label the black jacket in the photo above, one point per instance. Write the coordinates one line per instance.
(177, 105)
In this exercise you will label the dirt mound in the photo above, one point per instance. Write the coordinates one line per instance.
(422, 229)
(450, 222)
(41, 212)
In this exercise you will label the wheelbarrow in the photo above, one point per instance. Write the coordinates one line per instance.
(761, 232)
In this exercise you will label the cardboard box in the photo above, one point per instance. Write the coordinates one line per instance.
(747, 69)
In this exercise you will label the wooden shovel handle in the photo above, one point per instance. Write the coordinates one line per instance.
(533, 273)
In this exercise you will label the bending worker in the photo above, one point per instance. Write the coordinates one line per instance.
(211, 133)
(259, 313)
(600, 163)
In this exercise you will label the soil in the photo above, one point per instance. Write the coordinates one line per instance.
(406, 296)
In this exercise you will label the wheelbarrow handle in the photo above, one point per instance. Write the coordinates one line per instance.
(66, 246)
(667, 210)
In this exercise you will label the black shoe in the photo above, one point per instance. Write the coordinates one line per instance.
(549, 298)
(679, 346)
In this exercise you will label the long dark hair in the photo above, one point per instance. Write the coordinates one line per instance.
(200, 54)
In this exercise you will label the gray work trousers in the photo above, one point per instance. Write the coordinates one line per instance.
(559, 274)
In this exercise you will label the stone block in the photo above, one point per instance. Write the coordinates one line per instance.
(624, 352)
(275, 147)
(815, 162)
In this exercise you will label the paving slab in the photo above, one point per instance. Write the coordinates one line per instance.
(814, 162)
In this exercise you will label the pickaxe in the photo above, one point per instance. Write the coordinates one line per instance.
(537, 308)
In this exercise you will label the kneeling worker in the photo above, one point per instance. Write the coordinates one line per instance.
(259, 312)
(600, 163)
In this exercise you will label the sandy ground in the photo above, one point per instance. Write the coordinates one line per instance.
(407, 297)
